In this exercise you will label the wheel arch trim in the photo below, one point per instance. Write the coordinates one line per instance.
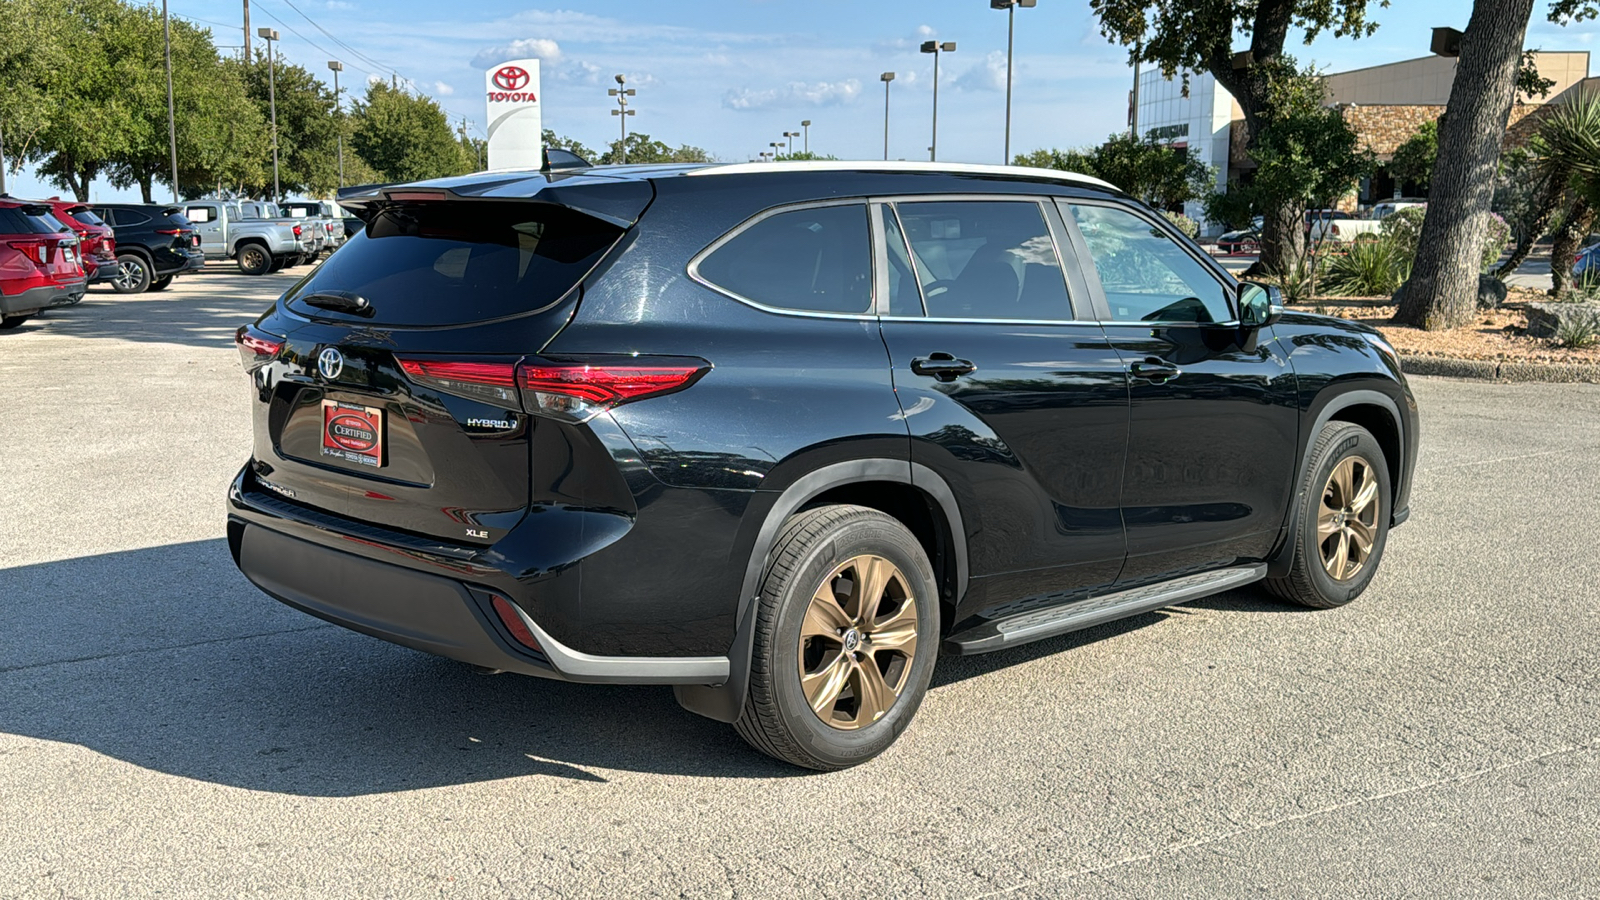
(725, 701)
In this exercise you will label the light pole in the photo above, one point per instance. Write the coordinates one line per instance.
(1010, 6)
(886, 78)
(777, 149)
(338, 106)
(272, 102)
(936, 48)
(172, 123)
(791, 135)
(806, 124)
(622, 92)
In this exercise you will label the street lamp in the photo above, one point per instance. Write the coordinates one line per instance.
(777, 148)
(338, 106)
(622, 112)
(272, 101)
(886, 78)
(172, 122)
(936, 48)
(806, 124)
(791, 135)
(1010, 6)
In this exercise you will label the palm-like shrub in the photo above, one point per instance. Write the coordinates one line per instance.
(1374, 268)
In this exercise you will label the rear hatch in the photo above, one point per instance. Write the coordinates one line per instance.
(390, 396)
(41, 240)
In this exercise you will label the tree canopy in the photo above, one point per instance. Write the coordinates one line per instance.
(406, 138)
(1147, 169)
(1413, 160)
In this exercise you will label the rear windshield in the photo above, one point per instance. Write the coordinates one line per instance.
(87, 218)
(452, 263)
(15, 221)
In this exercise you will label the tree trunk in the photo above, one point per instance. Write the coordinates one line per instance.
(144, 187)
(1283, 241)
(1579, 220)
(1443, 289)
(80, 184)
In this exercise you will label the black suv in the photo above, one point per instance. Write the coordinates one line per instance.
(155, 244)
(780, 435)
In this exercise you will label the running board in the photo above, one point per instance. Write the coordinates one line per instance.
(1003, 633)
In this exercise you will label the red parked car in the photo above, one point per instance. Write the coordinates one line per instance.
(96, 241)
(39, 265)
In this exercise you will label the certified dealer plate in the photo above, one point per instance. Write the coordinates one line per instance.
(352, 432)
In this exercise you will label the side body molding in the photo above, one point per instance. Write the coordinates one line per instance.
(723, 702)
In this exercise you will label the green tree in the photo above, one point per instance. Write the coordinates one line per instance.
(220, 135)
(644, 149)
(405, 138)
(1198, 36)
(32, 71)
(1147, 169)
(1413, 160)
(83, 129)
(307, 128)
(800, 156)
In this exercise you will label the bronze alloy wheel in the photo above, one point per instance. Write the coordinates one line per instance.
(857, 641)
(1347, 522)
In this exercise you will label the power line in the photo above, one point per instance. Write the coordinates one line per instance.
(371, 61)
(310, 41)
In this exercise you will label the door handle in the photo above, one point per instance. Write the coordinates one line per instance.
(1156, 370)
(943, 366)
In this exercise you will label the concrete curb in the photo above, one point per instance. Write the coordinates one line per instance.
(1498, 370)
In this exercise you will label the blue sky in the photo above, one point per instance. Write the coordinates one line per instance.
(733, 75)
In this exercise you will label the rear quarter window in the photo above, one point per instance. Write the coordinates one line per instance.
(130, 217)
(455, 263)
(817, 259)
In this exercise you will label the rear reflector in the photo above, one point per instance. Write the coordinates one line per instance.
(514, 624)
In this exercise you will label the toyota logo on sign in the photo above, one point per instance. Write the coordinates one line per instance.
(511, 78)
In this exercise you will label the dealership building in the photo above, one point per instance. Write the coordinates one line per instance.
(1383, 104)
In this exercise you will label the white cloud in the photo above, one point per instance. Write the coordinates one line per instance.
(542, 49)
(904, 44)
(442, 89)
(794, 94)
(989, 75)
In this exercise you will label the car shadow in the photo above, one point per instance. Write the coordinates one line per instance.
(201, 309)
(167, 658)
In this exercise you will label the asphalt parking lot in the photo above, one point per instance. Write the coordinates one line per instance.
(167, 730)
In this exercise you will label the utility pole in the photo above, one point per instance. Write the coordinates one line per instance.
(1133, 117)
(1010, 6)
(2, 159)
(622, 92)
(272, 102)
(338, 106)
(247, 32)
(172, 122)
(936, 48)
(886, 78)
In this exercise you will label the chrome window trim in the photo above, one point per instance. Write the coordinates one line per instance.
(872, 307)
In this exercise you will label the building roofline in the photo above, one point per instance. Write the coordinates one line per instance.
(1400, 62)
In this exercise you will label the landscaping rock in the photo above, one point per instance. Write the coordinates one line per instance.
(1491, 292)
(1545, 319)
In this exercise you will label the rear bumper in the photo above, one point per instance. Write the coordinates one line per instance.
(43, 297)
(103, 270)
(178, 262)
(446, 616)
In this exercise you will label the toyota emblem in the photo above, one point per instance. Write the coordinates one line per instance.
(511, 78)
(330, 363)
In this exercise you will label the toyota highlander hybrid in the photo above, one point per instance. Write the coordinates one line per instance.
(781, 435)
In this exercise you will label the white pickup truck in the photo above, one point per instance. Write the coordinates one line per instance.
(1338, 226)
(322, 215)
(258, 245)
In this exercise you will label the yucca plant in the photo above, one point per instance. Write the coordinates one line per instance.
(1578, 333)
(1369, 269)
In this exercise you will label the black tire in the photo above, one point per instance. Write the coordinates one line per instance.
(1310, 582)
(161, 284)
(253, 259)
(10, 322)
(295, 260)
(278, 262)
(133, 276)
(777, 719)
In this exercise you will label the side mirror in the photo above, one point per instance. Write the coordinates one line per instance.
(1260, 305)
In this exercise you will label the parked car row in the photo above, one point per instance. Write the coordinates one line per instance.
(1320, 225)
(51, 250)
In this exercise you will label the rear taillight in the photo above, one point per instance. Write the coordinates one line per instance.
(514, 623)
(297, 231)
(169, 231)
(487, 381)
(578, 389)
(570, 388)
(256, 346)
(36, 251)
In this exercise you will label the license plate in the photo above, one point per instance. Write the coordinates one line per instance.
(352, 432)
(68, 255)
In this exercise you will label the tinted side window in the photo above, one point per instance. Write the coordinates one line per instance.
(15, 221)
(816, 260)
(985, 260)
(1145, 275)
(130, 217)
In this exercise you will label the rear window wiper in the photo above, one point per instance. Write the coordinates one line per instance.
(339, 301)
